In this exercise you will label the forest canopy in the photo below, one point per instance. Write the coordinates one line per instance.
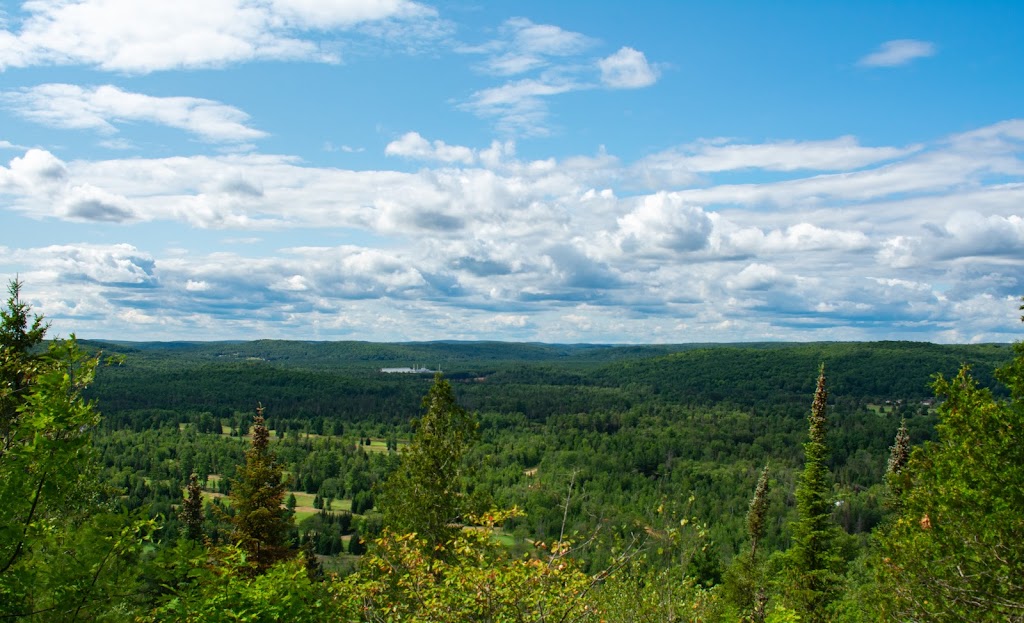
(266, 481)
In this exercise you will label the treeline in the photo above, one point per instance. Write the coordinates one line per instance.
(338, 383)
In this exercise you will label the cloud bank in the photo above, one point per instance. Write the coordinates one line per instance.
(838, 241)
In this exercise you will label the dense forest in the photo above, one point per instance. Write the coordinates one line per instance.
(294, 481)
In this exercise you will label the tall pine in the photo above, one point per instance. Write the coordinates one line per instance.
(899, 455)
(191, 514)
(261, 522)
(813, 556)
(426, 494)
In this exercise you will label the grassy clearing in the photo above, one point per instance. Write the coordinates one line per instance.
(304, 513)
(379, 444)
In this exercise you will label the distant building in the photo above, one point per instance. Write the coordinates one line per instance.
(413, 370)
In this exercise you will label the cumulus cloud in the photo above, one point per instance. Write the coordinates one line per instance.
(756, 277)
(800, 237)
(101, 108)
(898, 52)
(664, 222)
(969, 234)
(482, 232)
(142, 37)
(627, 69)
(412, 145)
(89, 203)
(109, 265)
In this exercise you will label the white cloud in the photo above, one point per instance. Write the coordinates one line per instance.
(519, 106)
(797, 238)
(444, 248)
(524, 46)
(665, 222)
(900, 251)
(545, 61)
(100, 108)
(37, 172)
(756, 277)
(141, 37)
(839, 154)
(412, 145)
(898, 52)
(88, 203)
(970, 234)
(627, 69)
(348, 149)
(684, 165)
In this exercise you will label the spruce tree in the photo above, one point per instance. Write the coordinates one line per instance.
(261, 522)
(899, 455)
(314, 570)
(755, 527)
(425, 494)
(19, 339)
(814, 558)
(191, 514)
(744, 579)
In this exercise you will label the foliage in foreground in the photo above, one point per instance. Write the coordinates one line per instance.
(956, 550)
(64, 555)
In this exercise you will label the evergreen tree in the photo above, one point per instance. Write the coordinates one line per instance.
(191, 514)
(813, 557)
(261, 522)
(757, 512)
(899, 455)
(744, 579)
(955, 552)
(425, 494)
(19, 340)
(356, 544)
(755, 527)
(62, 557)
(314, 570)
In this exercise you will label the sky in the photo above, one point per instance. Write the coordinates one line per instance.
(601, 172)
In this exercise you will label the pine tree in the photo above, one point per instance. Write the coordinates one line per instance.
(899, 455)
(425, 494)
(314, 570)
(755, 527)
(814, 558)
(191, 514)
(261, 522)
(757, 512)
(19, 339)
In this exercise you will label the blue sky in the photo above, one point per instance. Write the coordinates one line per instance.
(533, 171)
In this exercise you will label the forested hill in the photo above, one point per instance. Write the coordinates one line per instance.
(748, 375)
(343, 379)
